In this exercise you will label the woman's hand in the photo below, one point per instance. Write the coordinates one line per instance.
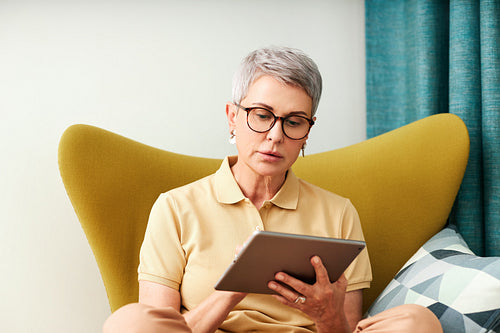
(323, 301)
(212, 312)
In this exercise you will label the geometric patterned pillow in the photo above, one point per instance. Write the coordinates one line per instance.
(463, 290)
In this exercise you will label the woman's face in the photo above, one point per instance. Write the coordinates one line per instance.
(270, 153)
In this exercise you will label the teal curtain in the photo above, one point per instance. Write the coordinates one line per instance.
(430, 56)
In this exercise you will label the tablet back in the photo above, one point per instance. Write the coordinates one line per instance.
(267, 253)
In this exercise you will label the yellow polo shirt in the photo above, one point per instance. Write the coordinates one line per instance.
(193, 232)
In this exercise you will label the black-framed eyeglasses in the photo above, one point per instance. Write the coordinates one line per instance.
(261, 120)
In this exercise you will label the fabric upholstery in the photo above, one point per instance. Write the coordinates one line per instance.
(403, 184)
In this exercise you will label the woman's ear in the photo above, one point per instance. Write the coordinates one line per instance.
(231, 113)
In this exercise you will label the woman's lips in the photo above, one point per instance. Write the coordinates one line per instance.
(271, 154)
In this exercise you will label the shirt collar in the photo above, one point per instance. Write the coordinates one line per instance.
(226, 187)
(288, 195)
(228, 191)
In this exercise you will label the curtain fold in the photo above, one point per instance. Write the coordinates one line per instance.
(426, 57)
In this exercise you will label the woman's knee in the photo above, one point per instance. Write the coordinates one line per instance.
(409, 318)
(136, 317)
(420, 318)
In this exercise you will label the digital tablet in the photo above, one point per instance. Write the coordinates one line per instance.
(267, 253)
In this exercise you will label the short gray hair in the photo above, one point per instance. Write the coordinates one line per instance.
(287, 65)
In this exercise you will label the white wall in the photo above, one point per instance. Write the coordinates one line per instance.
(156, 71)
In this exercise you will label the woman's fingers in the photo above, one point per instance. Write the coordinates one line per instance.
(281, 289)
(322, 301)
(320, 270)
(299, 287)
(290, 290)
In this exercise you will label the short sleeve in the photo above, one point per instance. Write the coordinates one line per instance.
(162, 258)
(359, 273)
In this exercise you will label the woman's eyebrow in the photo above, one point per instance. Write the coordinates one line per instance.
(264, 105)
(270, 108)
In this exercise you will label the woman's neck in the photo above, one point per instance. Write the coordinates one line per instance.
(255, 187)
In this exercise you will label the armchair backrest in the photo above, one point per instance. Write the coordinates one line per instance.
(403, 184)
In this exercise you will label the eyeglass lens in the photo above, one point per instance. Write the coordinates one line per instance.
(262, 120)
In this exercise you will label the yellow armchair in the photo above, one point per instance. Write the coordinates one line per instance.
(403, 184)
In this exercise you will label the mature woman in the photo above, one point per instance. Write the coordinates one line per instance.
(194, 230)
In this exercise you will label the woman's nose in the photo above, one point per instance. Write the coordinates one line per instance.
(276, 132)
